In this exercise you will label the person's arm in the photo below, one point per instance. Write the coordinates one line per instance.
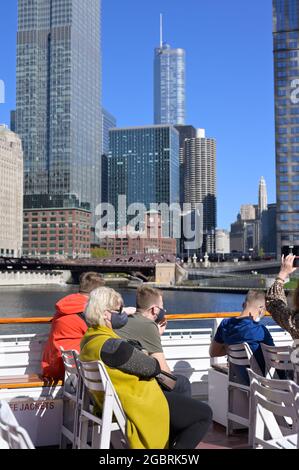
(162, 361)
(217, 349)
(276, 301)
(119, 354)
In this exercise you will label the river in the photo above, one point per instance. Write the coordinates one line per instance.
(39, 302)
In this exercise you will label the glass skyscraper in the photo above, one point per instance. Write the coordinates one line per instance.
(58, 115)
(143, 165)
(169, 85)
(286, 65)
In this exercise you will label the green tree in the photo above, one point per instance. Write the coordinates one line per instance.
(99, 253)
(261, 252)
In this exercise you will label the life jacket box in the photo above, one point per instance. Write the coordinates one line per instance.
(39, 411)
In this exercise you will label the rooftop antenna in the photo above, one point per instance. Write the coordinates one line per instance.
(161, 31)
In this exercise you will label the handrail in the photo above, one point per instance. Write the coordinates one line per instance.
(180, 316)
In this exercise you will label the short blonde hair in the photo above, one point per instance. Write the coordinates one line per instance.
(100, 300)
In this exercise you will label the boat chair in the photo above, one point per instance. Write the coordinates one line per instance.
(273, 402)
(295, 361)
(107, 427)
(278, 361)
(240, 358)
(12, 436)
(72, 395)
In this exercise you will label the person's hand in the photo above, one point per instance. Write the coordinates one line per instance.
(287, 266)
(130, 310)
(162, 326)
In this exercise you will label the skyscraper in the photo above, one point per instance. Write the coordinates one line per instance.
(286, 66)
(200, 182)
(59, 101)
(143, 165)
(11, 193)
(263, 199)
(169, 84)
(108, 122)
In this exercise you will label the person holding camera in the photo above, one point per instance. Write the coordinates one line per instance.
(276, 300)
(156, 419)
(147, 326)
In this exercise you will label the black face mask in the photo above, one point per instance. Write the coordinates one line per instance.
(118, 320)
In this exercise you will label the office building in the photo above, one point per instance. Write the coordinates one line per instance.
(186, 132)
(57, 233)
(286, 68)
(222, 242)
(11, 193)
(147, 241)
(169, 84)
(108, 122)
(263, 198)
(58, 112)
(143, 165)
(200, 183)
(248, 212)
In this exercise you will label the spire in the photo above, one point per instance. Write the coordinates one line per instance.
(161, 31)
(263, 202)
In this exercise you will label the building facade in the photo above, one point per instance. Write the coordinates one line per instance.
(169, 85)
(186, 132)
(11, 193)
(200, 183)
(57, 233)
(222, 242)
(248, 212)
(59, 101)
(286, 68)
(143, 165)
(108, 122)
(147, 241)
(263, 197)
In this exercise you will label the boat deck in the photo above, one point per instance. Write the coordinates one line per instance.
(216, 438)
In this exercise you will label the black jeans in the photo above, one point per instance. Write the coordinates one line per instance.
(190, 420)
(183, 386)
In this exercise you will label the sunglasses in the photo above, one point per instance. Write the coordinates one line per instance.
(119, 311)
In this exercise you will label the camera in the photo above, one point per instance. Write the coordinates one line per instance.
(296, 262)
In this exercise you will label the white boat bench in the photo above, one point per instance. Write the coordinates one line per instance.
(36, 402)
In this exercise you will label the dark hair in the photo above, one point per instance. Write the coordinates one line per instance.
(146, 297)
(90, 281)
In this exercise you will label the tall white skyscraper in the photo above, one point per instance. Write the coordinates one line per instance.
(169, 84)
(200, 183)
(11, 193)
(263, 199)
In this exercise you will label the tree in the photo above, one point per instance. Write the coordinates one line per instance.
(261, 252)
(99, 253)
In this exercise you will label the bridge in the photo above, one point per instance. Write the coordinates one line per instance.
(240, 268)
(142, 266)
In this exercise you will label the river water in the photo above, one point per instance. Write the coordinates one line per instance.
(40, 301)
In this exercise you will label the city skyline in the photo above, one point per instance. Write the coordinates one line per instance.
(210, 92)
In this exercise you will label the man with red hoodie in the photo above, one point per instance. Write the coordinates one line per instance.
(68, 325)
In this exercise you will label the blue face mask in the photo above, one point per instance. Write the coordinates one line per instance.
(118, 320)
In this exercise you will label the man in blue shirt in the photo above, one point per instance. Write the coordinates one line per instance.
(245, 328)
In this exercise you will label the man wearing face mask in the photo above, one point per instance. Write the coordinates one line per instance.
(244, 329)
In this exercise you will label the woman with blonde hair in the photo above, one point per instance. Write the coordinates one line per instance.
(155, 419)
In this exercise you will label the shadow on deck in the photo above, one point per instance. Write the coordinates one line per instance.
(216, 438)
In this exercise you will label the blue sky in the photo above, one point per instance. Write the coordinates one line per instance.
(229, 79)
